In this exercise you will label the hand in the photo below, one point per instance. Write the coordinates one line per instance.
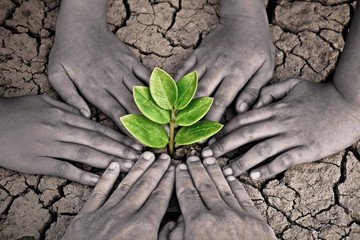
(89, 62)
(134, 210)
(38, 133)
(214, 207)
(237, 56)
(311, 122)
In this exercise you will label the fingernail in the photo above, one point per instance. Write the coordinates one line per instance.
(212, 140)
(171, 168)
(128, 165)
(207, 152)
(228, 171)
(182, 166)
(164, 156)
(193, 158)
(113, 165)
(85, 112)
(147, 155)
(137, 147)
(209, 161)
(255, 175)
(243, 107)
(231, 178)
(95, 179)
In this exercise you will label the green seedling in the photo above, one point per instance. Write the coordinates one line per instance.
(168, 102)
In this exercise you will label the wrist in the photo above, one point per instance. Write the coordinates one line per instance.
(82, 13)
(237, 9)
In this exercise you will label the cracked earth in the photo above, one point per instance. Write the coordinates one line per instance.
(313, 201)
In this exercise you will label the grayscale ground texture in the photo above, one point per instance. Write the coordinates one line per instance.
(320, 200)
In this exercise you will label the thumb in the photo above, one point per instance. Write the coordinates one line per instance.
(275, 92)
(179, 231)
(63, 85)
(166, 230)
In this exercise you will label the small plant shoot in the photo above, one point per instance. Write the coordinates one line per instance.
(168, 102)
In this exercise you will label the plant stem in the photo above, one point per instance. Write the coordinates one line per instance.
(172, 132)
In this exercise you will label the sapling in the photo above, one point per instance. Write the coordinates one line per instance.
(168, 102)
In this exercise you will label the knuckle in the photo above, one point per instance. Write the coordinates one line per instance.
(62, 168)
(160, 193)
(248, 132)
(220, 101)
(99, 127)
(238, 165)
(218, 146)
(264, 149)
(187, 192)
(203, 90)
(226, 193)
(96, 138)
(117, 112)
(98, 195)
(252, 92)
(146, 181)
(55, 112)
(83, 153)
(124, 186)
(246, 203)
(126, 151)
(146, 222)
(286, 160)
(206, 187)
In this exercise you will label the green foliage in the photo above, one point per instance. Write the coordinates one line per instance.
(168, 102)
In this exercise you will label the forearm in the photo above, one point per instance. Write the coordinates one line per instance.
(347, 75)
(242, 8)
(82, 13)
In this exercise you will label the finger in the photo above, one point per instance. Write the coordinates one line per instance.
(109, 106)
(140, 166)
(220, 182)
(159, 199)
(242, 136)
(87, 155)
(61, 105)
(102, 189)
(178, 232)
(125, 98)
(141, 71)
(250, 92)
(166, 230)
(142, 189)
(51, 166)
(243, 119)
(275, 92)
(223, 97)
(260, 152)
(63, 85)
(186, 66)
(203, 183)
(209, 82)
(242, 197)
(281, 163)
(189, 198)
(80, 122)
(98, 141)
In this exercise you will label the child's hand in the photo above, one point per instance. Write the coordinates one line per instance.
(135, 208)
(214, 207)
(38, 133)
(311, 122)
(238, 56)
(87, 62)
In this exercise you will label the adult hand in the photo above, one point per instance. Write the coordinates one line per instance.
(89, 62)
(238, 56)
(38, 133)
(134, 210)
(310, 122)
(214, 207)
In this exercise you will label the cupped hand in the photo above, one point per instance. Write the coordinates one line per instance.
(214, 207)
(88, 62)
(308, 121)
(238, 56)
(134, 210)
(38, 133)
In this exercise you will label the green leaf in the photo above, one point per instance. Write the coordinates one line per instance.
(199, 131)
(196, 109)
(146, 131)
(186, 88)
(148, 106)
(163, 89)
